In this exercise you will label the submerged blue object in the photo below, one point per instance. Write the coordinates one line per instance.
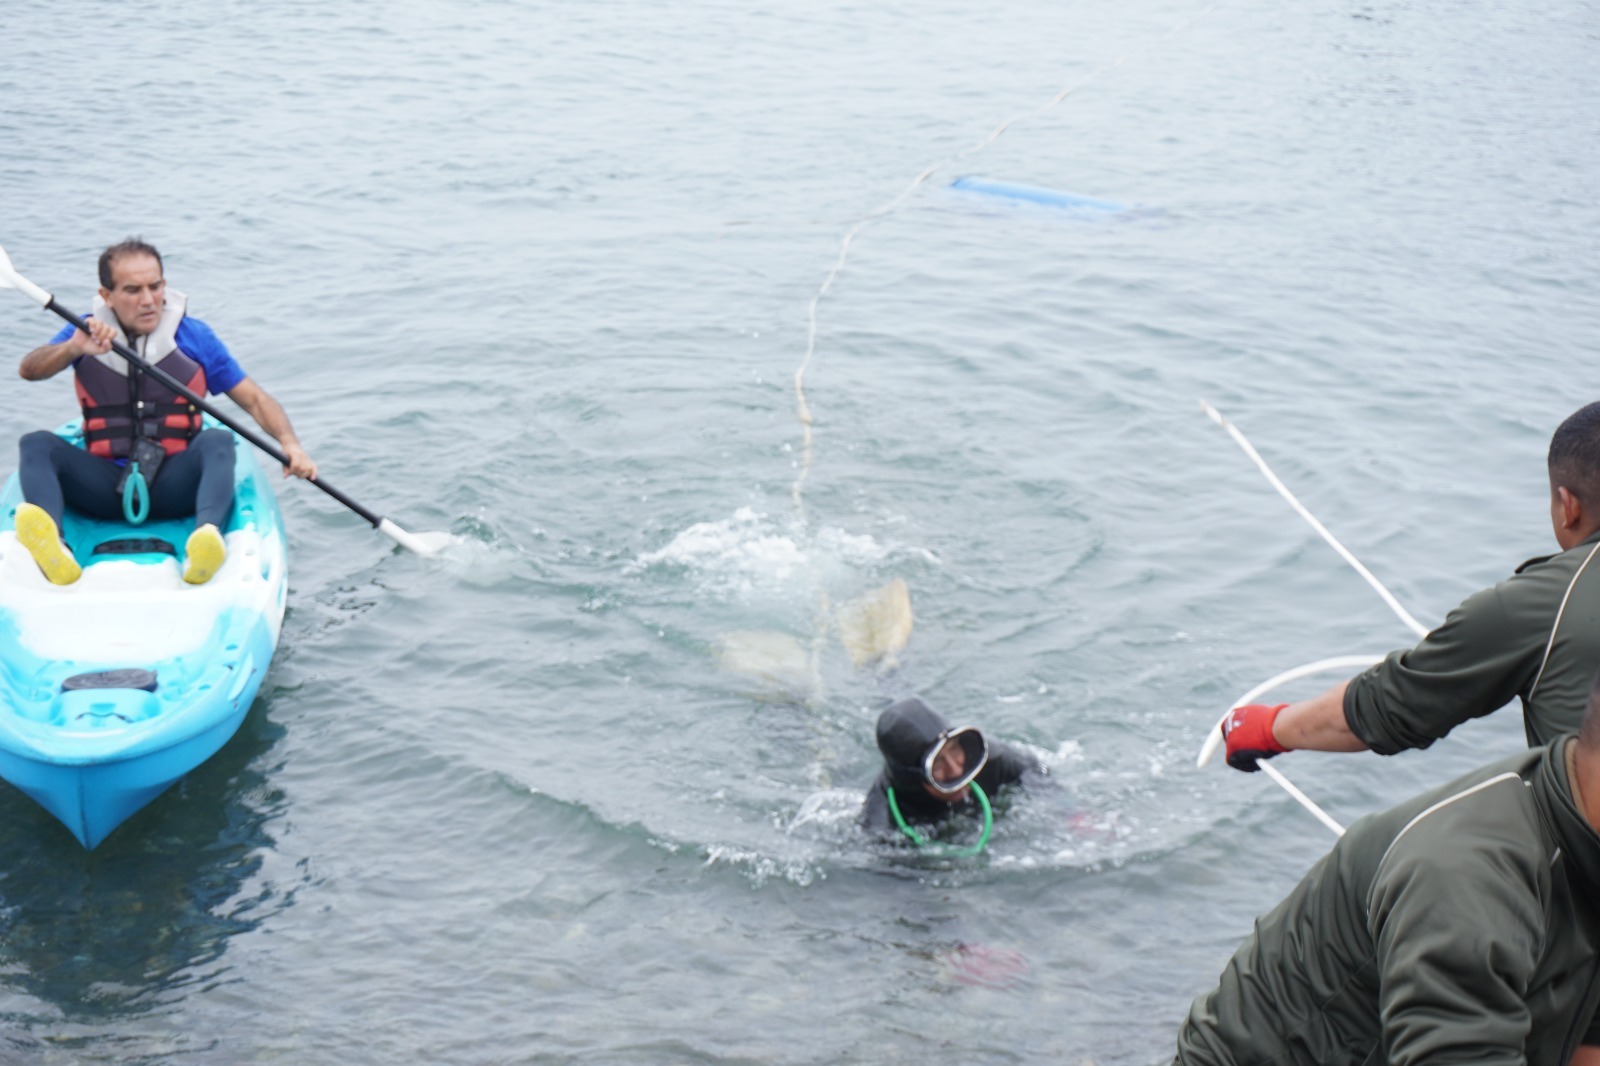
(1035, 194)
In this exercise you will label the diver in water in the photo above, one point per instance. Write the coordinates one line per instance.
(933, 771)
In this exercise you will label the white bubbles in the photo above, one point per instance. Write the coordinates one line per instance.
(479, 563)
(761, 868)
(1067, 753)
(833, 807)
(748, 555)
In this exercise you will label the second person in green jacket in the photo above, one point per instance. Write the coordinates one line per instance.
(1461, 926)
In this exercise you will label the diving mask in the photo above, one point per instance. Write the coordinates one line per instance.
(973, 747)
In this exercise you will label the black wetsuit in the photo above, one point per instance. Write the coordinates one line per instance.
(905, 733)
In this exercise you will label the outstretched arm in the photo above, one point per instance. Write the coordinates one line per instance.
(1258, 731)
(1475, 661)
(1317, 724)
(269, 415)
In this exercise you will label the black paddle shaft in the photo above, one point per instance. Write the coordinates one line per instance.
(199, 401)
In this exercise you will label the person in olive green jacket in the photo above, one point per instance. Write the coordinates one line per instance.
(1461, 926)
(1535, 635)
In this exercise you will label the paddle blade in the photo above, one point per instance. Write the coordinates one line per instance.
(877, 627)
(10, 279)
(421, 543)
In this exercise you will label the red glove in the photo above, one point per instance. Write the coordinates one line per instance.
(1248, 731)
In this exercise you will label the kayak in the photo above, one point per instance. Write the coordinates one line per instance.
(114, 687)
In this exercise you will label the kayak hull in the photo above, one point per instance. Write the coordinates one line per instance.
(114, 687)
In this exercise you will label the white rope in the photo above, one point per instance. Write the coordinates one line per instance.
(1214, 738)
(802, 409)
(1305, 800)
(1283, 490)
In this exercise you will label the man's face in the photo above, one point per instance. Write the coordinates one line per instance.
(138, 293)
(949, 765)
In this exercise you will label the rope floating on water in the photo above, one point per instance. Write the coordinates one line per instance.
(802, 408)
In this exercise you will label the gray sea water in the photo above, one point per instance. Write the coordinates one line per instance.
(538, 274)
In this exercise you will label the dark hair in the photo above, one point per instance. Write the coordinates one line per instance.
(1575, 455)
(1589, 731)
(131, 246)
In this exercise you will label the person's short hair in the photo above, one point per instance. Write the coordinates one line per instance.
(131, 246)
(1575, 455)
(1589, 731)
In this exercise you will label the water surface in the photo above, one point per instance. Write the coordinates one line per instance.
(538, 274)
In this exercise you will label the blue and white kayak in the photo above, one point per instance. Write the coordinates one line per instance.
(114, 687)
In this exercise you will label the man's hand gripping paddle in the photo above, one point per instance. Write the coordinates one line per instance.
(421, 543)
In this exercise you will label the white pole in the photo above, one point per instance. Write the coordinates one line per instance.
(1214, 738)
(1304, 800)
(1283, 490)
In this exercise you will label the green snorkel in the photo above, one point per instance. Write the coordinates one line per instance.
(948, 850)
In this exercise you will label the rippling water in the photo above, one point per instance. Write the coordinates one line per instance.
(538, 274)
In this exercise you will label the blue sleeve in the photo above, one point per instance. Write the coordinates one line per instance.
(66, 331)
(207, 349)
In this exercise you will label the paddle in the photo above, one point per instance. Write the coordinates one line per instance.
(421, 543)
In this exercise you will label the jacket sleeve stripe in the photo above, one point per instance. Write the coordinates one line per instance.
(1479, 787)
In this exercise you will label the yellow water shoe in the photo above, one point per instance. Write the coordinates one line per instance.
(37, 532)
(203, 555)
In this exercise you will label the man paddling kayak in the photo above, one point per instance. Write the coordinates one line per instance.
(140, 435)
(1535, 635)
(1461, 926)
(933, 771)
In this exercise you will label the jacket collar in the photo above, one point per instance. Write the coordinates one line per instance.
(156, 345)
(1579, 842)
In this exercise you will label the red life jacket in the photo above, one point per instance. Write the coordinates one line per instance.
(109, 406)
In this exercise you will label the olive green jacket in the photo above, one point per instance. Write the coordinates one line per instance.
(1486, 651)
(1461, 926)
